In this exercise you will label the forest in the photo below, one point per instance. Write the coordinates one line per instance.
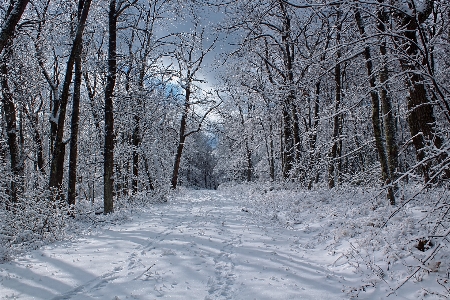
(111, 101)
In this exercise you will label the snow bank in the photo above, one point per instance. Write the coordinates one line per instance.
(401, 250)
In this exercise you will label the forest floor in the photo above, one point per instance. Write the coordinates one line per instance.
(235, 243)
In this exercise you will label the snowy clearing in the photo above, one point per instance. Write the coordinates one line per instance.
(223, 244)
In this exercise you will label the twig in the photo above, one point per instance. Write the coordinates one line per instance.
(370, 265)
(403, 205)
(144, 272)
(415, 272)
(438, 247)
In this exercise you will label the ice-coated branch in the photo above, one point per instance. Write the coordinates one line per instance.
(8, 27)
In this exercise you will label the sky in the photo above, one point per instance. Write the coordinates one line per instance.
(210, 19)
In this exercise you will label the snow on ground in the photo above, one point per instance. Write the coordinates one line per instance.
(235, 243)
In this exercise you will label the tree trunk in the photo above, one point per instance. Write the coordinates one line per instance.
(11, 131)
(421, 117)
(182, 139)
(57, 164)
(34, 122)
(386, 104)
(288, 142)
(108, 176)
(91, 91)
(73, 156)
(176, 165)
(268, 138)
(249, 162)
(136, 141)
(297, 137)
(151, 186)
(337, 119)
(126, 178)
(313, 135)
(12, 18)
(376, 120)
(248, 152)
(271, 154)
(187, 63)
(315, 155)
(291, 128)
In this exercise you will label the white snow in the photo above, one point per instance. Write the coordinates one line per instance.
(236, 243)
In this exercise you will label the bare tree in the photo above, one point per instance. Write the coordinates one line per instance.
(7, 29)
(57, 163)
(421, 117)
(116, 8)
(108, 151)
(376, 116)
(10, 116)
(337, 122)
(73, 155)
(189, 56)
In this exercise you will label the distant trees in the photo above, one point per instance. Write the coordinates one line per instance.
(198, 168)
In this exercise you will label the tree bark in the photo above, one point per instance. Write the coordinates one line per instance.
(9, 108)
(73, 155)
(57, 164)
(291, 129)
(376, 119)
(271, 154)
(421, 117)
(386, 104)
(12, 18)
(313, 135)
(337, 103)
(136, 141)
(151, 186)
(248, 152)
(182, 138)
(34, 121)
(91, 91)
(108, 175)
(297, 137)
(268, 138)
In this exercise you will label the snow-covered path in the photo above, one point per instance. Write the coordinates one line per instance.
(202, 245)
